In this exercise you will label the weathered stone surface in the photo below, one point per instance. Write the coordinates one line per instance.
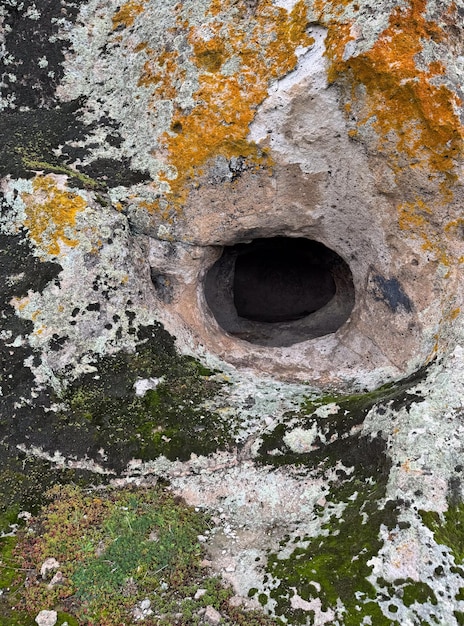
(47, 618)
(139, 139)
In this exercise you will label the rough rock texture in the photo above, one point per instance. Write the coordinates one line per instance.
(141, 137)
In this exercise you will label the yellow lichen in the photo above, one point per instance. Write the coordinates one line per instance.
(413, 116)
(20, 303)
(264, 48)
(415, 218)
(50, 211)
(455, 228)
(127, 14)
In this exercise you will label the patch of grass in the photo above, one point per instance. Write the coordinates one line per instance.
(116, 548)
(11, 576)
(8, 570)
(23, 480)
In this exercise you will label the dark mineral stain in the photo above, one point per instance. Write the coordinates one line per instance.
(114, 172)
(390, 291)
(20, 272)
(30, 140)
(35, 45)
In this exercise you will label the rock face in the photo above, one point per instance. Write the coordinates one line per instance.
(251, 211)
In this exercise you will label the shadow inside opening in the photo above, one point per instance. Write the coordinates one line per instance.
(279, 291)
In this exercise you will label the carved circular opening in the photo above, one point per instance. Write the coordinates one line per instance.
(279, 291)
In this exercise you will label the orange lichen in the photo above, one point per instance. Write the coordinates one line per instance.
(412, 116)
(49, 212)
(413, 215)
(127, 14)
(415, 218)
(163, 72)
(264, 48)
(456, 228)
(413, 113)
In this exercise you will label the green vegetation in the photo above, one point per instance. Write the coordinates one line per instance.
(334, 567)
(335, 563)
(24, 481)
(448, 529)
(171, 420)
(351, 412)
(115, 549)
(36, 165)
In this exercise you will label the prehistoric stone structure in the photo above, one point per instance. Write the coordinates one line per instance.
(232, 247)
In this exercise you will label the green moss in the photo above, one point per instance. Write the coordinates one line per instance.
(334, 565)
(18, 619)
(416, 591)
(8, 517)
(337, 427)
(10, 574)
(131, 554)
(24, 479)
(66, 617)
(86, 181)
(459, 615)
(171, 420)
(8, 571)
(410, 592)
(448, 529)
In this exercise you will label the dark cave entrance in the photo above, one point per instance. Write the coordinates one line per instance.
(279, 291)
(281, 280)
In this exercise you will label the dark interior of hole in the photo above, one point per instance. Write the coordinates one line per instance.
(279, 291)
(281, 280)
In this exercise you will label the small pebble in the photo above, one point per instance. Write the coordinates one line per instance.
(212, 616)
(56, 580)
(47, 618)
(199, 594)
(48, 566)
